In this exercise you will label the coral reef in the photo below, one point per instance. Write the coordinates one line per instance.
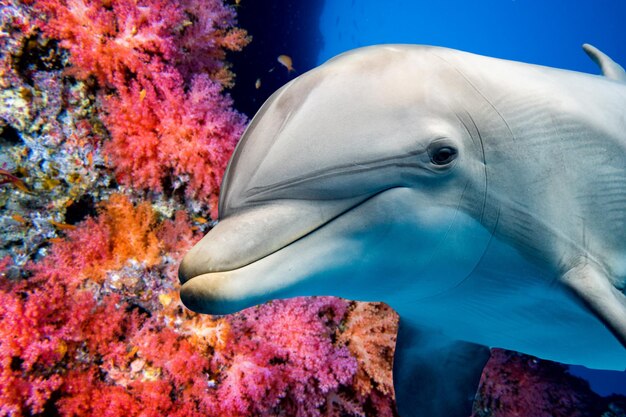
(96, 93)
(49, 136)
(99, 322)
(161, 66)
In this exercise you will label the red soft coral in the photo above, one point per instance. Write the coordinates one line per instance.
(115, 39)
(162, 64)
(209, 33)
(186, 137)
(59, 322)
(46, 328)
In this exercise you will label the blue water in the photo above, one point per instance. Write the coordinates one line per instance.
(548, 32)
(545, 32)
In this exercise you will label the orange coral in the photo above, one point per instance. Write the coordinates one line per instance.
(202, 330)
(123, 232)
(370, 334)
(133, 230)
(132, 234)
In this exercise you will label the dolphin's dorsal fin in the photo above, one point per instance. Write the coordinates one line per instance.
(611, 69)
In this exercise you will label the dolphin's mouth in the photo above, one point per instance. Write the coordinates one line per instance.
(255, 256)
(222, 269)
(255, 233)
(242, 261)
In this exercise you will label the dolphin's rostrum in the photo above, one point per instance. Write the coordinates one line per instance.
(483, 199)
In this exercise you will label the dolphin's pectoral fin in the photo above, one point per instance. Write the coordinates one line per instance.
(611, 69)
(435, 376)
(592, 286)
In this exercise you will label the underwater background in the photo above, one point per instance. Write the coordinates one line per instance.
(117, 120)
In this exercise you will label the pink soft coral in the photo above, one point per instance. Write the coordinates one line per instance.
(281, 355)
(118, 40)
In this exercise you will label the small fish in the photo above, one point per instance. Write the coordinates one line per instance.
(56, 240)
(19, 218)
(132, 351)
(200, 220)
(142, 94)
(62, 226)
(257, 83)
(10, 178)
(285, 61)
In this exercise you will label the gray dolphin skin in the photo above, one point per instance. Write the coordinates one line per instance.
(483, 199)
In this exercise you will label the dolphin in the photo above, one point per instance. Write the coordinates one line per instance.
(483, 199)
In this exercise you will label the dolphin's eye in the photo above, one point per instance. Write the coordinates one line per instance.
(443, 155)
